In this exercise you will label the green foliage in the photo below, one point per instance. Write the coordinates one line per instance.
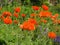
(13, 35)
(56, 8)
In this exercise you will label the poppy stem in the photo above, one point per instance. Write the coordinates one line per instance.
(22, 29)
(23, 18)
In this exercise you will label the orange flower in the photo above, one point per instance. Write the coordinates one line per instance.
(6, 13)
(51, 35)
(42, 14)
(21, 26)
(27, 26)
(58, 21)
(2, 17)
(23, 15)
(45, 14)
(32, 21)
(15, 22)
(32, 15)
(54, 17)
(15, 14)
(48, 14)
(35, 7)
(17, 9)
(31, 26)
(45, 7)
(8, 20)
(55, 21)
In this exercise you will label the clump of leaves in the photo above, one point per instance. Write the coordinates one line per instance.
(2, 42)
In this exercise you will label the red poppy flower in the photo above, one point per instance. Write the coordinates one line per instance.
(15, 14)
(24, 25)
(51, 35)
(58, 21)
(2, 17)
(54, 17)
(45, 7)
(17, 9)
(35, 7)
(8, 20)
(27, 26)
(15, 22)
(23, 15)
(32, 21)
(32, 15)
(31, 26)
(6, 13)
(45, 14)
